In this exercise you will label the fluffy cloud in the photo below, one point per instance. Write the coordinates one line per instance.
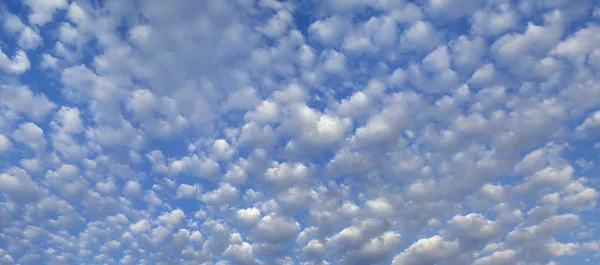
(589, 124)
(42, 11)
(280, 132)
(427, 250)
(276, 229)
(16, 65)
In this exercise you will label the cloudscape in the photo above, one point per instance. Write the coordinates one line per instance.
(270, 132)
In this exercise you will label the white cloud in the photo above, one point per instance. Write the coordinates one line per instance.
(22, 99)
(287, 174)
(243, 99)
(590, 123)
(188, 191)
(330, 30)
(495, 21)
(12, 23)
(18, 186)
(225, 194)
(5, 144)
(277, 24)
(270, 132)
(421, 36)
(513, 46)
(29, 39)
(451, 9)
(474, 227)
(17, 65)
(249, 215)
(132, 189)
(579, 44)
(276, 229)
(242, 253)
(140, 227)
(427, 250)
(468, 52)
(548, 228)
(266, 111)
(69, 120)
(48, 61)
(378, 248)
(42, 11)
(173, 218)
(221, 149)
(31, 135)
(503, 257)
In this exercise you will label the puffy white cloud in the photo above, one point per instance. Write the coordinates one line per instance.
(197, 166)
(243, 99)
(42, 11)
(378, 248)
(315, 129)
(29, 39)
(427, 250)
(266, 111)
(17, 65)
(494, 21)
(18, 186)
(579, 44)
(222, 150)
(513, 46)
(468, 53)
(225, 194)
(451, 9)
(421, 36)
(249, 215)
(173, 218)
(31, 135)
(133, 189)
(140, 227)
(330, 30)
(5, 144)
(590, 123)
(188, 191)
(22, 99)
(242, 253)
(269, 132)
(69, 120)
(276, 229)
(286, 174)
(497, 258)
(12, 23)
(547, 228)
(48, 61)
(277, 24)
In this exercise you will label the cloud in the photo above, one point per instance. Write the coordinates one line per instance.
(580, 44)
(276, 229)
(43, 11)
(18, 186)
(496, 20)
(17, 65)
(421, 36)
(22, 99)
(272, 132)
(590, 123)
(427, 250)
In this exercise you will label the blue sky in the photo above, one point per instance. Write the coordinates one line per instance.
(251, 132)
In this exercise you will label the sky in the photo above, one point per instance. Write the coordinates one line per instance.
(352, 132)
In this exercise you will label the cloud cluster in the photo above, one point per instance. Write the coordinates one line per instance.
(285, 132)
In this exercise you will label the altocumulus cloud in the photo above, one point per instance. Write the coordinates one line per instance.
(253, 132)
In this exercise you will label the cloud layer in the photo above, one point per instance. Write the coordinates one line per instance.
(268, 132)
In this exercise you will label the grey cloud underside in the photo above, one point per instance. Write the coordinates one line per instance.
(266, 132)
